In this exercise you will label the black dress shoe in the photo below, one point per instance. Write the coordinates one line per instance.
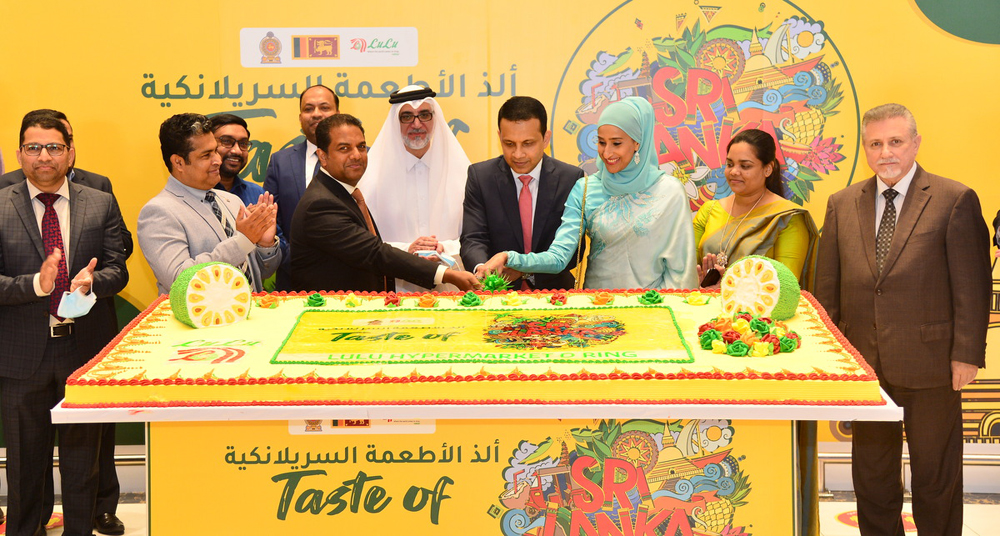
(109, 524)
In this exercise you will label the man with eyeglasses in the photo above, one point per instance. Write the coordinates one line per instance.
(290, 170)
(47, 336)
(189, 222)
(233, 136)
(105, 521)
(416, 181)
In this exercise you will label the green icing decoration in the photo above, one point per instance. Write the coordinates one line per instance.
(471, 299)
(651, 297)
(788, 345)
(761, 327)
(738, 349)
(495, 283)
(315, 300)
(707, 337)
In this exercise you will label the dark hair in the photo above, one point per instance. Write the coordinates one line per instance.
(176, 133)
(218, 121)
(325, 126)
(336, 99)
(765, 151)
(523, 109)
(46, 121)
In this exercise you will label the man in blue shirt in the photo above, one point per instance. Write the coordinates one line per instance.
(234, 147)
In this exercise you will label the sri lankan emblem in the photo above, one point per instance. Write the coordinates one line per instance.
(270, 47)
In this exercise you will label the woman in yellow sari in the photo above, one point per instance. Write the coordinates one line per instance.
(756, 219)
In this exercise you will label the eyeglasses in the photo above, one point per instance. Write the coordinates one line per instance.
(35, 149)
(424, 116)
(228, 143)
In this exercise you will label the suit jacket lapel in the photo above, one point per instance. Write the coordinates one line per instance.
(77, 217)
(913, 205)
(299, 165)
(199, 208)
(545, 207)
(507, 193)
(22, 204)
(866, 219)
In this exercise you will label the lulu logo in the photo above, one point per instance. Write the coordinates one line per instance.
(217, 355)
(359, 44)
(316, 47)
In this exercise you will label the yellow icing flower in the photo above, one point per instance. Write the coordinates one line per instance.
(512, 299)
(761, 349)
(778, 331)
(741, 326)
(718, 347)
(351, 300)
(697, 298)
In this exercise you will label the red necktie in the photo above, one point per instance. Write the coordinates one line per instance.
(52, 238)
(524, 205)
(360, 200)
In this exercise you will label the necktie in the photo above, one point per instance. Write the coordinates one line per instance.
(885, 228)
(315, 168)
(210, 197)
(524, 206)
(360, 200)
(245, 267)
(52, 238)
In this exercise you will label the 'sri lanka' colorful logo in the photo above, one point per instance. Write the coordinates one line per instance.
(633, 477)
(711, 71)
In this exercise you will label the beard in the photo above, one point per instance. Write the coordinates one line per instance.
(418, 143)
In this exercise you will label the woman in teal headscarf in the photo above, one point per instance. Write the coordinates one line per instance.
(636, 216)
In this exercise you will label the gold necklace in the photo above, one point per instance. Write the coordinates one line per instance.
(722, 259)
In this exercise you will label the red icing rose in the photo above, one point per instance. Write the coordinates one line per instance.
(771, 338)
(731, 336)
(392, 299)
(746, 316)
(705, 327)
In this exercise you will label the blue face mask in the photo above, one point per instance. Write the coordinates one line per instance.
(76, 304)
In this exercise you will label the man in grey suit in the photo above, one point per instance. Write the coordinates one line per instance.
(290, 170)
(106, 520)
(493, 220)
(904, 272)
(189, 223)
(51, 229)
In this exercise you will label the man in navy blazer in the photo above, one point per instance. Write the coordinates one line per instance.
(39, 350)
(290, 170)
(106, 520)
(492, 221)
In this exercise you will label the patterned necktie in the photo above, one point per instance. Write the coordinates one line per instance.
(360, 200)
(885, 228)
(52, 238)
(210, 197)
(315, 168)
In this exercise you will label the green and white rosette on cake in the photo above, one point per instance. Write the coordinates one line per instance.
(210, 294)
(763, 286)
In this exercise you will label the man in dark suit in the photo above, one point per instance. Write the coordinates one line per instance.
(493, 220)
(911, 293)
(106, 521)
(291, 170)
(52, 228)
(335, 243)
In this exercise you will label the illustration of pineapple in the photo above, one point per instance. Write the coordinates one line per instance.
(719, 513)
(809, 124)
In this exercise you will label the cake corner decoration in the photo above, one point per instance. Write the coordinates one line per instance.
(210, 294)
(603, 298)
(427, 300)
(470, 299)
(352, 300)
(651, 297)
(761, 285)
(495, 283)
(315, 300)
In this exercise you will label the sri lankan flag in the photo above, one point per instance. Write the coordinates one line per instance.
(316, 47)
